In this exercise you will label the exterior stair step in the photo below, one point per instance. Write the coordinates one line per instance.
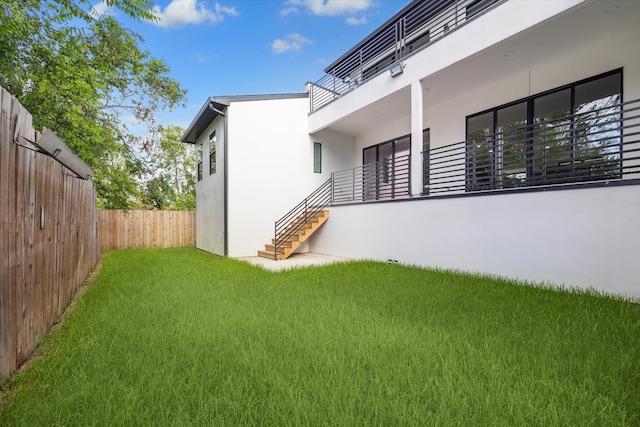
(268, 255)
(305, 226)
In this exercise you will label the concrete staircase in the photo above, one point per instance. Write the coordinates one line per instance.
(294, 235)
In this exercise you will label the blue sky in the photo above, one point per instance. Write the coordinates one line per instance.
(241, 47)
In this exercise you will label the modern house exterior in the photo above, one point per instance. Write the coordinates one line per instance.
(492, 136)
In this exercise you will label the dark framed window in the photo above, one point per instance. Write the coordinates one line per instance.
(317, 157)
(199, 154)
(212, 153)
(566, 135)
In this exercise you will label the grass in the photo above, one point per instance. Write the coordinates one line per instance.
(181, 337)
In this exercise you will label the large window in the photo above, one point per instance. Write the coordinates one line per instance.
(570, 134)
(212, 153)
(199, 155)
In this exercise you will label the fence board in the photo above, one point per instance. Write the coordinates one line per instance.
(7, 320)
(42, 265)
(19, 253)
(121, 229)
(10, 278)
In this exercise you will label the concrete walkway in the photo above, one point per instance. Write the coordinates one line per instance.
(295, 260)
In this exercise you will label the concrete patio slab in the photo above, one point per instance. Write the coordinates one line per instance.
(296, 260)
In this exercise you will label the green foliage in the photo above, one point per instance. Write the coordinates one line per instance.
(172, 183)
(84, 77)
(181, 337)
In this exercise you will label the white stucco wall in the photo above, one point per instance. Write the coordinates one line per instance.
(577, 238)
(382, 131)
(210, 195)
(338, 151)
(446, 116)
(270, 168)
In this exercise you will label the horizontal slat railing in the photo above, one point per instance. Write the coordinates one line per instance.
(421, 25)
(596, 145)
(601, 144)
(294, 220)
(383, 180)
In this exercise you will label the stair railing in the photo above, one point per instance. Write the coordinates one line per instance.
(294, 220)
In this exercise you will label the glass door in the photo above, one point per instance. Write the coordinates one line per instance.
(385, 170)
(510, 151)
(369, 172)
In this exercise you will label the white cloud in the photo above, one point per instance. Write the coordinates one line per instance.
(100, 9)
(289, 10)
(328, 7)
(352, 20)
(231, 11)
(183, 12)
(291, 43)
(201, 58)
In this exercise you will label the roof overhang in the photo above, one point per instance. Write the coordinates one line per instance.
(215, 106)
(207, 114)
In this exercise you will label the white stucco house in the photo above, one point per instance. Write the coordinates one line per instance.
(490, 136)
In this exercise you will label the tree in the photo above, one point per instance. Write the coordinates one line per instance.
(172, 184)
(81, 75)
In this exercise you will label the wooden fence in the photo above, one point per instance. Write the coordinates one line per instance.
(48, 236)
(145, 229)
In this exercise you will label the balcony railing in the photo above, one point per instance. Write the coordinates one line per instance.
(384, 180)
(600, 144)
(419, 25)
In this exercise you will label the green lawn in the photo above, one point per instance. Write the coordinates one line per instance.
(181, 337)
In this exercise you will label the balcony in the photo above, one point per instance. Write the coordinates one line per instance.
(414, 28)
(600, 144)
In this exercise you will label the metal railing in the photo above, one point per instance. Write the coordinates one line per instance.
(383, 180)
(294, 220)
(600, 144)
(420, 25)
(387, 179)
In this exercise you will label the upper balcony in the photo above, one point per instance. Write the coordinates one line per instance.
(417, 26)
